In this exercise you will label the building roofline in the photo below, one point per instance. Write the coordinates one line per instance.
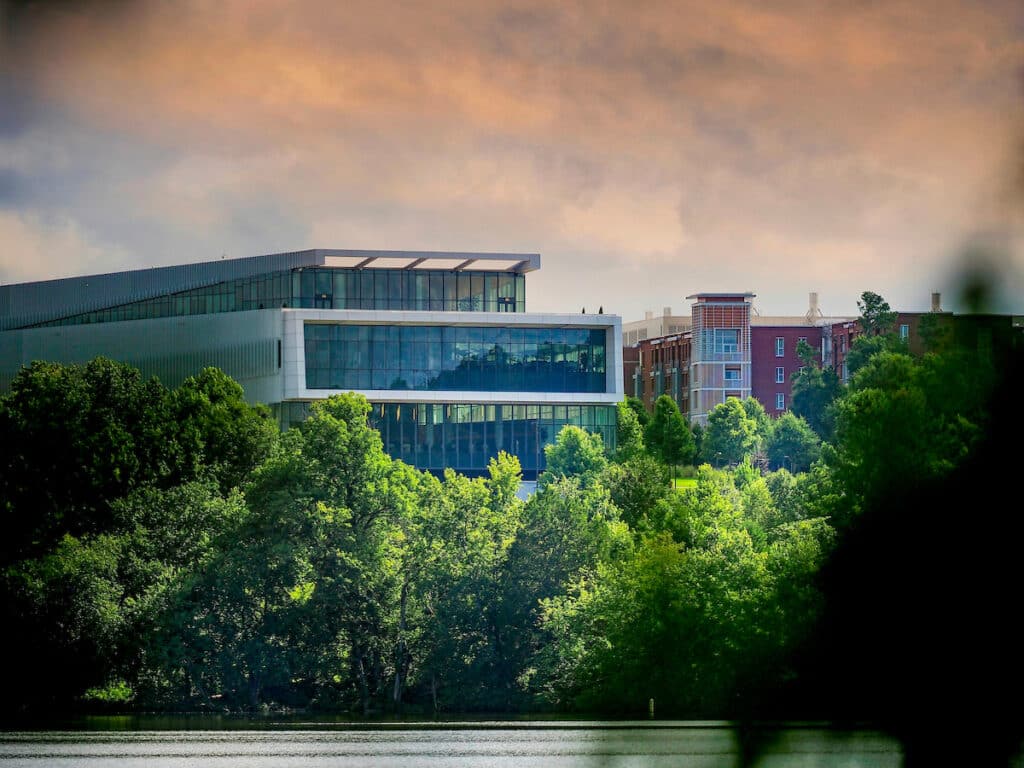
(26, 304)
(722, 295)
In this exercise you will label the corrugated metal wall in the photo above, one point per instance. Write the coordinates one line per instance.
(243, 344)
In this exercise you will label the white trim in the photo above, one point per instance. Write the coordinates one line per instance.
(294, 354)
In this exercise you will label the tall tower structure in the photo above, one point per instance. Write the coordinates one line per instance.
(720, 356)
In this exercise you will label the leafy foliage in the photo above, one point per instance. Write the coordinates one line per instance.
(667, 435)
(575, 453)
(792, 444)
(180, 552)
(815, 389)
(731, 434)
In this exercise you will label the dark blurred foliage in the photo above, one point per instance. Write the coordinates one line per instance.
(920, 634)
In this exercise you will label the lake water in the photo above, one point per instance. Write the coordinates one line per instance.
(440, 745)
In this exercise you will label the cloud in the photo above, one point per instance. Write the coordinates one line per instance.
(734, 143)
(40, 249)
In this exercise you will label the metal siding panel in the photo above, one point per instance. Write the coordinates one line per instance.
(31, 303)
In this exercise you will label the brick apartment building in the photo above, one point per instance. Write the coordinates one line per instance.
(728, 350)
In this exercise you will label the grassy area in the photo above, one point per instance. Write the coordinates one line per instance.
(682, 483)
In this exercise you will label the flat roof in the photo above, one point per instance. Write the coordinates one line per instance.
(731, 295)
(454, 260)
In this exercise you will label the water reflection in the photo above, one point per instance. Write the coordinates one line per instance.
(442, 745)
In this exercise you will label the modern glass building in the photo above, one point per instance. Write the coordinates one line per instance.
(440, 343)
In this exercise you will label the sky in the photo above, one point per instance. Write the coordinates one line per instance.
(646, 150)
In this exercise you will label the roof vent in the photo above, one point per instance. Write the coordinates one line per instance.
(813, 311)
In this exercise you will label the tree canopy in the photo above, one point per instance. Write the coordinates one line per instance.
(667, 434)
(731, 433)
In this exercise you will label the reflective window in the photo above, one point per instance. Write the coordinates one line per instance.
(457, 358)
(323, 288)
(466, 436)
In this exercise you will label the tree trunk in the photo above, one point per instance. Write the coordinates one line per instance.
(254, 689)
(400, 652)
(364, 693)
(197, 682)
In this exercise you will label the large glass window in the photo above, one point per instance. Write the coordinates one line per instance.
(455, 358)
(465, 436)
(721, 341)
(323, 288)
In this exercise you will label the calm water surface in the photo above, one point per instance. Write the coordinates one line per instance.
(452, 745)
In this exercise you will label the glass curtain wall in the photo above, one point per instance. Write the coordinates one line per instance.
(466, 436)
(313, 288)
(488, 359)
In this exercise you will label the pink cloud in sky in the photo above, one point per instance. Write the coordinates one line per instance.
(647, 150)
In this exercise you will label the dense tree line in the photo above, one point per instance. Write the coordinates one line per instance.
(170, 548)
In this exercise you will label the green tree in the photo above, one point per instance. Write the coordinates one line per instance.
(628, 433)
(878, 326)
(690, 621)
(814, 391)
(637, 406)
(763, 422)
(792, 444)
(468, 529)
(865, 347)
(667, 435)
(636, 487)
(567, 530)
(218, 431)
(575, 453)
(883, 430)
(731, 435)
(698, 443)
(75, 438)
(303, 593)
(876, 318)
(63, 611)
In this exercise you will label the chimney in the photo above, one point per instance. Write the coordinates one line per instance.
(813, 312)
(666, 311)
(648, 314)
(936, 302)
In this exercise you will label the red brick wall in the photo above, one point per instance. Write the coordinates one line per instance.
(665, 353)
(763, 361)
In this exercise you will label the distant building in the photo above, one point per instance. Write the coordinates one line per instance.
(663, 367)
(654, 326)
(729, 350)
(439, 343)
